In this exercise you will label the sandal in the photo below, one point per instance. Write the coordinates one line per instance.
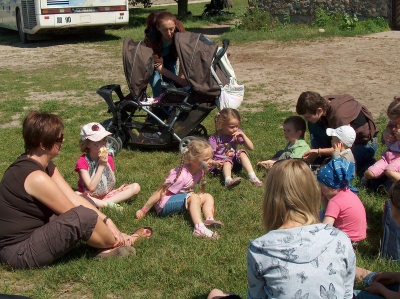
(233, 182)
(213, 223)
(256, 182)
(115, 206)
(143, 232)
(122, 251)
(199, 233)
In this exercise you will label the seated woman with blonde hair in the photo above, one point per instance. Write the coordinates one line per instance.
(298, 257)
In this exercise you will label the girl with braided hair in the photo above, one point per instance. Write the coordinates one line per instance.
(176, 194)
(227, 157)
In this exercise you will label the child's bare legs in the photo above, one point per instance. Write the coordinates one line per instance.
(125, 194)
(361, 273)
(99, 203)
(227, 172)
(249, 169)
(196, 203)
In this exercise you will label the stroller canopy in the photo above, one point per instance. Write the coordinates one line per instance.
(196, 57)
(138, 66)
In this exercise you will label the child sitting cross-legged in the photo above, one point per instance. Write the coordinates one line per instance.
(344, 209)
(294, 128)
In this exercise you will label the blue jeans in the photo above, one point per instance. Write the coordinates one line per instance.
(169, 62)
(363, 153)
(175, 204)
(366, 295)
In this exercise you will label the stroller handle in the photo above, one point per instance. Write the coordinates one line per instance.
(225, 45)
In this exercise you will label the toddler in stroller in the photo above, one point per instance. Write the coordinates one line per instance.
(185, 109)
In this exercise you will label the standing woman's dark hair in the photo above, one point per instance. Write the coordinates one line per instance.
(41, 129)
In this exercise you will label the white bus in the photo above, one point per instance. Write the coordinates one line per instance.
(41, 17)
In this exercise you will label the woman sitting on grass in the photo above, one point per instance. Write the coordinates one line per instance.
(41, 217)
(298, 257)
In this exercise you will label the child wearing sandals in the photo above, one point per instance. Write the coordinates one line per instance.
(227, 157)
(176, 194)
(294, 128)
(344, 209)
(96, 169)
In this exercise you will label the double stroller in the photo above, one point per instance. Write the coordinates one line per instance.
(178, 112)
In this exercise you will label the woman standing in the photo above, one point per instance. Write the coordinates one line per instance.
(41, 217)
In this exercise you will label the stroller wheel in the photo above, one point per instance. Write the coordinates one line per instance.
(114, 145)
(199, 131)
(185, 142)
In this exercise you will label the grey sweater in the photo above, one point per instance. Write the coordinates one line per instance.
(314, 261)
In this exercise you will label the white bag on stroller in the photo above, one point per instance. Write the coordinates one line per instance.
(232, 93)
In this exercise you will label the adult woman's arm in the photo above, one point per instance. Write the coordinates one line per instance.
(77, 200)
(167, 73)
(39, 185)
(256, 283)
(350, 271)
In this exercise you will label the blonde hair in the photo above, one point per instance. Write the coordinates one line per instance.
(196, 147)
(223, 116)
(84, 146)
(291, 193)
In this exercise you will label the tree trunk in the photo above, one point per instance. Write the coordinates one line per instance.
(182, 8)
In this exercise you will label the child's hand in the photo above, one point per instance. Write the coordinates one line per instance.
(140, 214)
(238, 134)
(230, 153)
(217, 164)
(267, 164)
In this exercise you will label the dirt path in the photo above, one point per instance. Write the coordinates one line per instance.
(366, 67)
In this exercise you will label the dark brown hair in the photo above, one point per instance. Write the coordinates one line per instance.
(165, 16)
(41, 129)
(298, 123)
(394, 194)
(309, 102)
(393, 110)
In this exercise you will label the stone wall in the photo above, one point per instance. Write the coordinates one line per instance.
(306, 8)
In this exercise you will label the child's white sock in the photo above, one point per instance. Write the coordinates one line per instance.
(210, 218)
(228, 179)
(252, 175)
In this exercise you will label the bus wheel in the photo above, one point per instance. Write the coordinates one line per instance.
(22, 36)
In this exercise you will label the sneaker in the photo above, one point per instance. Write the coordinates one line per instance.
(205, 232)
(256, 182)
(233, 182)
(213, 223)
(115, 206)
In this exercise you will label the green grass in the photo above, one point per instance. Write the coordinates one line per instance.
(172, 264)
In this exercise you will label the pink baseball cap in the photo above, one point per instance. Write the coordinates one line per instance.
(94, 132)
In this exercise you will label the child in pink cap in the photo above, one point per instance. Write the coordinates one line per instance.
(96, 169)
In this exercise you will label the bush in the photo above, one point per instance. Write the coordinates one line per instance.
(256, 19)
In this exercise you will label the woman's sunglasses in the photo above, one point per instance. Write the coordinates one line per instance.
(60, 139)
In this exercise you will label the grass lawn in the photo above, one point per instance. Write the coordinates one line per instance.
(173, 263)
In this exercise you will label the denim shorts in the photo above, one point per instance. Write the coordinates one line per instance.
(175, 204)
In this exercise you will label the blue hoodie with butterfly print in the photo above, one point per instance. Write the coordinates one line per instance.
(312, 261)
